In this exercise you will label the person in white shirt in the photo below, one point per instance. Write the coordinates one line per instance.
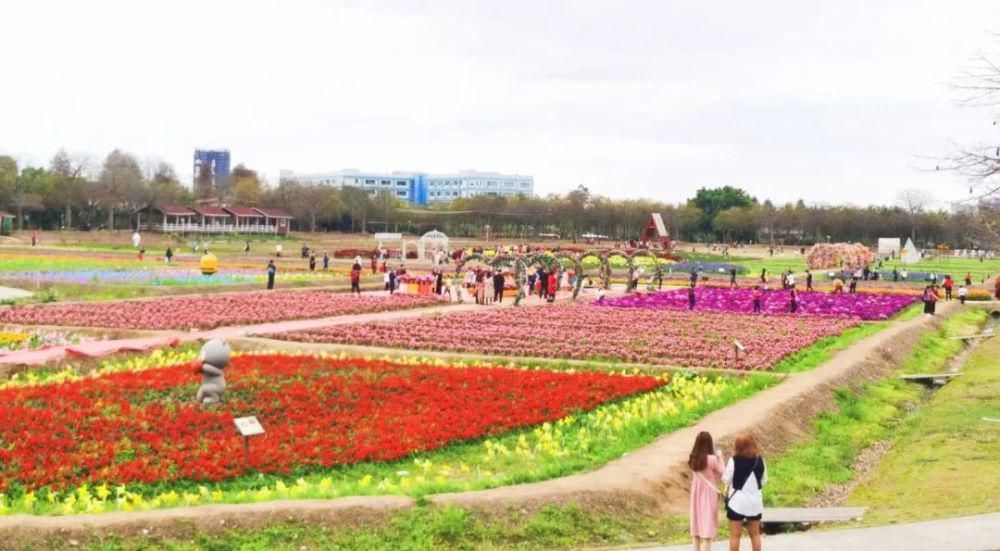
(962, 293)
(745, 475)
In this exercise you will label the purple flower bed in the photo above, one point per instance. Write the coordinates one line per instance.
(862, 305)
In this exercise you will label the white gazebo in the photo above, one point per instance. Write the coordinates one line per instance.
(432, 241)
(909, 254)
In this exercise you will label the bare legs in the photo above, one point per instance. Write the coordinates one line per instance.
(736, 530)
(702, 544)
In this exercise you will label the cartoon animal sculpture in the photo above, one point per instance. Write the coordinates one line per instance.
(214, 358)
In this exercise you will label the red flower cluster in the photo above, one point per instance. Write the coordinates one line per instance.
(145, 427)
(209, 311)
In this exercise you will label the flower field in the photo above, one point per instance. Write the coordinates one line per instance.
(209, 311)
(144, 427)
(862, 305)
(584, 332)
(18, 339)
(134, 420)
(161, 276)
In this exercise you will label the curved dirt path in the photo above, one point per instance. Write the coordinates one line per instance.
(651, 480)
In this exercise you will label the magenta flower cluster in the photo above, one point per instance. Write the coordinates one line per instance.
(714, 299)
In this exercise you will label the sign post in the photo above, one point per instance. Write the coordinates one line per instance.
(737, 348)
(247, 427)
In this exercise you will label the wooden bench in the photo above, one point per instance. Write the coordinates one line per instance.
(930, 379)
(811, 515)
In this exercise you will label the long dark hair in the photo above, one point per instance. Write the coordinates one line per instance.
(703, 447)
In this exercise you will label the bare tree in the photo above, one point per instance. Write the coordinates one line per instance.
(119, 178)
(68, 174)
(914, 202)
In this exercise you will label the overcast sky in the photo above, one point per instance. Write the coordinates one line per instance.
(831, 102)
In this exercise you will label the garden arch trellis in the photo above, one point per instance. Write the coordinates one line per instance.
(603, 267)
(628, 262)
(657, 265)
(550, 258)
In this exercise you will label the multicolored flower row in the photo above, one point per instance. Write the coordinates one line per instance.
(209, 311)
(580, 331)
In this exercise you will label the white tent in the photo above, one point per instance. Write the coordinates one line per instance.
(888, 247)
(909, 254)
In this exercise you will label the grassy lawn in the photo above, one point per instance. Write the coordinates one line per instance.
(944, 458)
(421, 528)
(881, 411)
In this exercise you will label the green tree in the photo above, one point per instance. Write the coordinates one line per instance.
(712, 201)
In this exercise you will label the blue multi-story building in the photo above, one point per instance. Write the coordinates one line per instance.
(421, 188)
(218, 159)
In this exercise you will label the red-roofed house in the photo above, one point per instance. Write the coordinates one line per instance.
(276, 218)
(166, 218)
(246, 219)
(214, 218)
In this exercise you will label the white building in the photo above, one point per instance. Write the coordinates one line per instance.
(419, 187)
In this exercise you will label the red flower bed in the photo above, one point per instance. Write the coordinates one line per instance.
(317, 412)
(208, 311)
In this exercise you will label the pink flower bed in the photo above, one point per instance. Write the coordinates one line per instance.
(862, 305)
(640, 335)
(209, 311)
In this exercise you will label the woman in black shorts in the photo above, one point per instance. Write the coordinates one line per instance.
(745, 475)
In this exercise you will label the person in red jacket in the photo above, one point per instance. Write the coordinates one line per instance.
(947, 284)
(356, 279)
(553, 285)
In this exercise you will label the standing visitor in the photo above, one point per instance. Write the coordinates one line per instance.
(793, 300)
(356, 279)
(326, 262)
(312, 262)
(763, 275)
(438, 281)
(756, 294)
(895, 275)
(374, 263)
(271, 271)
(930, 300)
(498, 282)
(553, 285)
(277, 250)
(392, 282)
(142, 253)
(707, 468)
(531, 282)
(790, 280)
(34, 238)
(746, 476)
(732, 278)
(246, 249)
(809, 281)
(446, 290)
(947, 284)
(694, 277)
(385, 280)
(490, 288)
(962, 293)
(543, 282)
(854, 285)
(968, 279)
(691, 297)
(169, 255)
(480, 288)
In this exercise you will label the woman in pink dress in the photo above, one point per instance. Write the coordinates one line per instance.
(707, 468)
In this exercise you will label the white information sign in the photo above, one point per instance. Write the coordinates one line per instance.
(248, 426)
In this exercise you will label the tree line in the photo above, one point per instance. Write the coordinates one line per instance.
(75, 192)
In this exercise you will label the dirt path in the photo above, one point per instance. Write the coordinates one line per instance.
(651, 480)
